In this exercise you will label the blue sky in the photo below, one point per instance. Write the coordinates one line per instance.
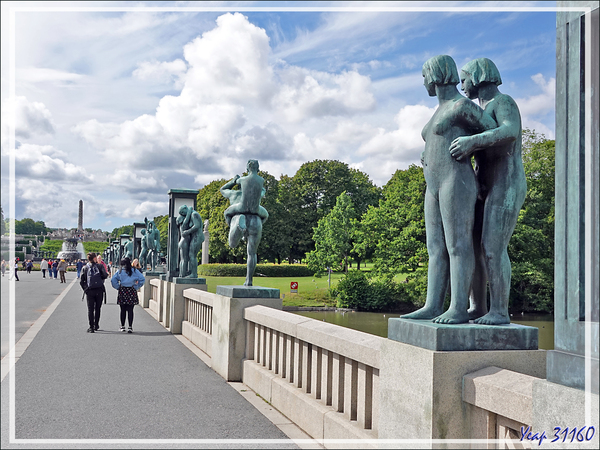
(116, 107)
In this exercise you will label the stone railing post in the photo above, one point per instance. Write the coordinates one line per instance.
(229, 330)
(146, 291)
(177, 302)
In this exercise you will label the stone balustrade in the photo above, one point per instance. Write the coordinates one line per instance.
(155, 296)
(338, 383)
(323, 377)
(197, 325)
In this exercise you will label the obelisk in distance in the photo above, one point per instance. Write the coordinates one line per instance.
(80, 220)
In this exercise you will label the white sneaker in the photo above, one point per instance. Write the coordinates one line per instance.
(129, 330)
(122, 329)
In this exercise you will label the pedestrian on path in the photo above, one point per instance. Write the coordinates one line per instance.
(101, 261)
(44, 267)
(92, 282)
(80, 265)
(62, 269)
(16, 269)
(127, 280)
(3, 267)
(29, 266)
(55, 268)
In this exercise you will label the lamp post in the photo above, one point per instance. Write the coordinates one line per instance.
(137, 238)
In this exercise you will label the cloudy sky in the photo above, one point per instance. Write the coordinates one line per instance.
(116, 102)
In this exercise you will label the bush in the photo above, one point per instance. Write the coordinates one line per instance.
(265, 270)
(95, 246)
(414, 290)
(356, 291)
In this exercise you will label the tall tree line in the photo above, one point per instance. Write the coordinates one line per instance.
(392, 232)
(295, 205)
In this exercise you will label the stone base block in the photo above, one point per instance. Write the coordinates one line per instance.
(177, 301)
(229, 332)
(420, 390)
(247, 292)
(462, 337)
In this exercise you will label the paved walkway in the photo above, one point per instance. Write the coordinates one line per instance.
(145, 386)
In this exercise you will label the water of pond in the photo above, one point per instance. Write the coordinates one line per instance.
(377, 323)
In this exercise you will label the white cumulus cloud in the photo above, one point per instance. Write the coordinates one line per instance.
(30, 119)
(308, 94)
(234, 102)
(161, 72)
(44, 162)
(145, 209)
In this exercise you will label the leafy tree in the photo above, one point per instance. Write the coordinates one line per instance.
(125, 229)
(29, 226)
(162, 224)
(312, 192)
(531, 248)
(394, 232)
(3, 228)
(276, 239)
(211, 205)
(333, 236)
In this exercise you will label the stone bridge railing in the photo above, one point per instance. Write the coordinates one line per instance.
(323, 377)
(197, 321)
(338, 383)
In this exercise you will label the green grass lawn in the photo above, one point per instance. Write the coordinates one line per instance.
(311, 291)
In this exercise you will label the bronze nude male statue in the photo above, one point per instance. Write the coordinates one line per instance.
(245, 216)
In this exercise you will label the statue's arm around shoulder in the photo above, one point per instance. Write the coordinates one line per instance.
(472, 116)
(507, 130)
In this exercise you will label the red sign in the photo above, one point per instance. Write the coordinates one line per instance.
(294, 287)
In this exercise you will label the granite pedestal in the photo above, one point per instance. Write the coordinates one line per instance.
(420, 390)
(462, 337)
(229, 328)
(177, 303)
(422, 369)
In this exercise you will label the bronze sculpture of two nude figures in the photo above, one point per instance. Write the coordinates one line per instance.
(470, 213)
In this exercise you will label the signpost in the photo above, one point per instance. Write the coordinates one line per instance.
(294, 287)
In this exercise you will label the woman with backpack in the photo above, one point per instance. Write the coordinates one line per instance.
(127, 281)
(92, 282)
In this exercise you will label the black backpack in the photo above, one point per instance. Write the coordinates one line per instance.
(92, 278)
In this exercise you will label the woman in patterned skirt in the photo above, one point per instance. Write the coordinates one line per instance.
(127, 280)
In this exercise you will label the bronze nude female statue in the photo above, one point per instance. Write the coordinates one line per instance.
(451, 194)
(501, 178)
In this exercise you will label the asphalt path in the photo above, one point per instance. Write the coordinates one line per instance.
(29, 304)
(141, 387)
